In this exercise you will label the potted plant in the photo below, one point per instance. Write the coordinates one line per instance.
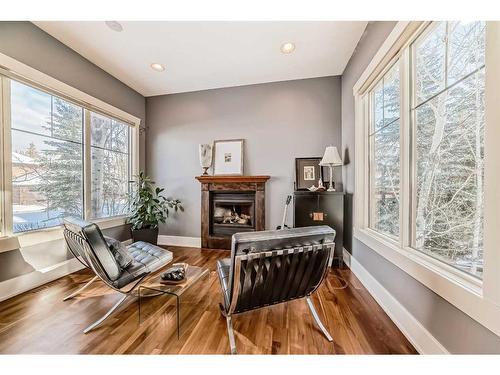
(149, 208)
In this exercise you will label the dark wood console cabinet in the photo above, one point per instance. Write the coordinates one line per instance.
(325, 208)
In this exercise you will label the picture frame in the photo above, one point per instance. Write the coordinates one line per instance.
(308, 172)
(228, 157)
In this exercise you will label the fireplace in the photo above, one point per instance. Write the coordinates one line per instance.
(229, 205)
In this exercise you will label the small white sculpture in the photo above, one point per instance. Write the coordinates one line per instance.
(205, 157)
(320, 184)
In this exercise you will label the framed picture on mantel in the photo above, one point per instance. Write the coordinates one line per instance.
(307, 173)
(228, 157)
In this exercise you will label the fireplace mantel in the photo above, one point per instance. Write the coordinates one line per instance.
(229, 179)
(215, 189)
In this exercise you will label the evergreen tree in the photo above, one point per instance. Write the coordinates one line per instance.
(31, 151)
(61, 168)
(61, 165)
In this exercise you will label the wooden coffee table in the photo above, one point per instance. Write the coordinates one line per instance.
(154, 287)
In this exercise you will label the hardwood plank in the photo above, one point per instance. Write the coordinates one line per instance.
(39, 322)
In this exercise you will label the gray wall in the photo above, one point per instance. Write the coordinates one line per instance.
(456, 331)
(30, 45)
(279, 122)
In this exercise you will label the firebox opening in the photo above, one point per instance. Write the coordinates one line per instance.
(232, 213)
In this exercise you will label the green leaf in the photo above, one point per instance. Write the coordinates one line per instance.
(147, 205)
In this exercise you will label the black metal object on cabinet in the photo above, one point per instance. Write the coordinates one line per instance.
(321, 208)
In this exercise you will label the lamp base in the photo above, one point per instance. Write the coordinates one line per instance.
(330, 184)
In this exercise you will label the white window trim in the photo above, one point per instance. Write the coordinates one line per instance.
(478, 299)
(17, 70)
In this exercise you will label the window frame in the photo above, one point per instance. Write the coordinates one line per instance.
(7, 102)
(2, 174)
(371, 146)
(414, 105)
(480, 299)
(13, 69)
(88, 157)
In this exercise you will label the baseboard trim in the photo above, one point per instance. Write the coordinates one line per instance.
(20, 284)
(179, 241)
(423, 341)
(346, 257)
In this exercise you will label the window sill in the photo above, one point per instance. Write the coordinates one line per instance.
(460, 289)
(19, 240)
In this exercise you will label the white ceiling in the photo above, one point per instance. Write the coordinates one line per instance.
(208, 55)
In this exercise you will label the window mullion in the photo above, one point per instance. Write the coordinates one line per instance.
(361, 151)
(369, 110)
(412, 155)
(2, 180)
(7, 158)
(446, 54)
(87, 173)
(405, 149)
(491, 274)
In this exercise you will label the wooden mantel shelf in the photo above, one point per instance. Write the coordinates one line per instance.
(232, 179)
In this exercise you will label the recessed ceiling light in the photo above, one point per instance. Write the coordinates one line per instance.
(287, 47)
(114, 25)
(157, 67)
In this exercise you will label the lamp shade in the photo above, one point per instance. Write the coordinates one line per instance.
(331, 157)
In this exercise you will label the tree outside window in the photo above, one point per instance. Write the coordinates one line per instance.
(47, 160)
(449, 71)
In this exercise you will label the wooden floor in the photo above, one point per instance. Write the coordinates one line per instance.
(39, 321)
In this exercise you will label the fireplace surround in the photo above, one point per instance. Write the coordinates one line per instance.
(230, 204)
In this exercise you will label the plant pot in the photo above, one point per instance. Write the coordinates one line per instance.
(149, 235)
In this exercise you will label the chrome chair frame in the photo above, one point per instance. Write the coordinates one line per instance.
(78, 241)
(79, 257)
(330, 247)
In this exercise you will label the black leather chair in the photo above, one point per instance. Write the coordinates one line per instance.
(271, 267)
(88, 245)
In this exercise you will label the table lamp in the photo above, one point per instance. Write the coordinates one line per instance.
(331, 158)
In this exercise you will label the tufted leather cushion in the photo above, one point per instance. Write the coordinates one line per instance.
(133, 272)
(151, 256)
(146, 258)
(223, 269)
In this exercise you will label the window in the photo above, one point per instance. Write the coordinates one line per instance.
(449, 161)
(437, 179)
(385, 154)
(47, 158)
(448, 113)
(109, 166)
(49, 177)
